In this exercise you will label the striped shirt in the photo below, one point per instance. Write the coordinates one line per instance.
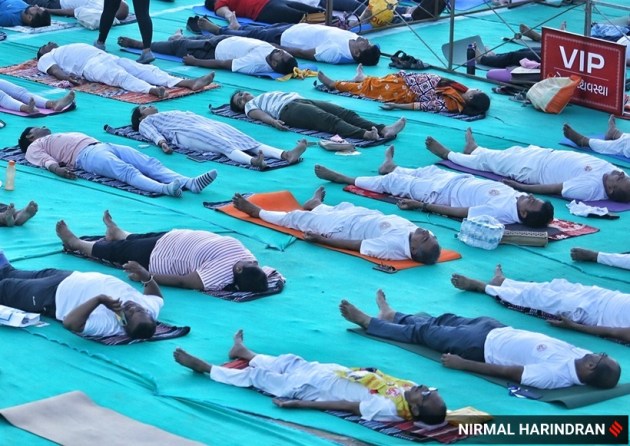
(58, 148)
(218, 137)
(182, 251)
(271, 103)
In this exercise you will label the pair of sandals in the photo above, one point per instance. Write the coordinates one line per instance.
(404, 61)
(192, 24)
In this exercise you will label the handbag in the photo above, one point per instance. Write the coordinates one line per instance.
(551, 95)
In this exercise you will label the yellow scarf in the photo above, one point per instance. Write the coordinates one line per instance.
(298, 73)
(384, 385)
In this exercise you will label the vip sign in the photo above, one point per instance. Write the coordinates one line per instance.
(600, 64)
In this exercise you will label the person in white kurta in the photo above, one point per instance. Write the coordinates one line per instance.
(618, 260)
(615, 142)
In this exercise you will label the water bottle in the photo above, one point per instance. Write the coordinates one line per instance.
(9, 181)
(471, 54)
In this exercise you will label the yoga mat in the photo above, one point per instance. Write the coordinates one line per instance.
(270, 74)
(557, 229)
(570, 397)
(460, 48)
(28, 70)
(225, 111)
(55, 25)
(285, 201)
(42, 112)
(162, 331)
(128, 132)
(567, 142)
(73, 419)
(460, 116)
(613, 206)
(203, 11)
(14, 153)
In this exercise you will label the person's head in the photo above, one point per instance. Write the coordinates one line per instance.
(364, 52)
(426, 404)
(35, 17)
(617, 186)
(238, 100)
(139, 324)
(209, 4)
(281, 61)
(123, 11)
(29, 135)
(476, 102)
(45, 49)
(533, 212)
(139, 113)
(248, 276)
(424, 246)
(598, 370)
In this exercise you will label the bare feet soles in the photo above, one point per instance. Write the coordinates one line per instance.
(293, 156)
(325, 79)
(67, 237)
(577, 138)
(528, 32)
(471, 144)
(29, 108)
(190, 361)
(23, 215)
(259, 161)
(242, 204)
(160, 92)
(113, 231)
(7, 218)
(467, 284)
(385, 312)
(388, 164)
(353, 314)
(391, 131)
(128, 42)
(239, 350)
(62, 103)
(207, 25)
(360, 75)
(202, 82)
(371, 134)
(612, 132)
(436, 148)
(316, 199)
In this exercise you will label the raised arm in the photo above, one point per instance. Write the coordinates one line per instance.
(512, 373)
(346, 406)
(620, 333)
(535, 188)
(353, 245)
(75, 320)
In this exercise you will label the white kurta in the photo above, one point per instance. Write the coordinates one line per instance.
(620, 146)
(587, 305)
(383, 236)
(290, 376)
(610, 259)
(580, 174)
(332, 45)
(437, 186)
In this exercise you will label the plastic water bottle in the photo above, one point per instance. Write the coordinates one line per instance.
(471, 54)
(9, 181)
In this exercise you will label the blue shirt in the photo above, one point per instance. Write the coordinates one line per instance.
(11, 12)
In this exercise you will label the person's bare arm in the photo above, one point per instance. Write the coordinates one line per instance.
(392, 106)
(353, 245)
(620, 333)
(67, 12)
(449, 211)
(138, 273)
(535, 188)
(59, 73)
(63, 172)
(75, 320)
(346, 406)
(265, 117)
(207, 63)
(583, 255)
(511, 373)
(228, 15)
(308, 54)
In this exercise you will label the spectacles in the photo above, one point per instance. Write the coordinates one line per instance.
(602, 355)
(121, 318)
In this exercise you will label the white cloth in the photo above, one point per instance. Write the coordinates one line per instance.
(619, 146)
(580, 174)
(437, 186)
(383, 236)
(81, 287)
(248, 56)
(587, 305)
(332, 45)
(95, 65)
(12, 96)
(271, 103)
(610, 259)
(548, 363)
(290, 376)
(584, 210)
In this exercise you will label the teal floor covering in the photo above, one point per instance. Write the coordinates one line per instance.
(143, 381)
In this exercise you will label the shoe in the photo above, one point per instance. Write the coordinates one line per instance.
(146, 57)
(192, 25)
(99, 45)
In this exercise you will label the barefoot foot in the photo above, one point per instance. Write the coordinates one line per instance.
(69, 240)
(391, 131)
(113, 231)
(259, 161)
(612, 132)
(371, 134)
(328, 82)
(190, 361)
(326, 174)
(244, 205)
(293, 156)
(202, 82)
(23, 215)
(577, 138)
(239, 350)
(63, 102)
(316, 199)
(353, 314)
(385, 312)
(388, 164)
(436, 148)
(360, 75)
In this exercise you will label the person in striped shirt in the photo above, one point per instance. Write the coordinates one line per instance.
(199, 260)
(280, 109)
(192, 131)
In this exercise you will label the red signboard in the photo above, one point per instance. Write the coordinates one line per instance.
(600, 64)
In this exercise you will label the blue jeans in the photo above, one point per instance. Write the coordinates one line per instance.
(447, 333)
(127, 165)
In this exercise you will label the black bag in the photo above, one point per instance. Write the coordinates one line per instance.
(428, 9)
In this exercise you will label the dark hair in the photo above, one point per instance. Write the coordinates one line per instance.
(286, 66)
(142, 330)
(39, 52)
(433, 414)
(369, 56)
(135, 118)
(233, 106)
(621, 194)
(24, 142)
(539, 219)
(251, 278)
(477, 105)
(605, 375)
(40, 19)
(429, 256)
(209, 4)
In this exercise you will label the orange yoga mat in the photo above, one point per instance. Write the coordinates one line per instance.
(285, 201)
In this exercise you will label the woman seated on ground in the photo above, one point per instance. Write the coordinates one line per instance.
(414, 91)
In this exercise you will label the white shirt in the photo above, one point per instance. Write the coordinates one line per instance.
(72, 58)
(548, 363)
(618, 260)
(331, 44)
(248, 55)
(271, 103)
(81, 287)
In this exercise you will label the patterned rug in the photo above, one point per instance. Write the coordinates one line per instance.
(162, 331)
(28, 70)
